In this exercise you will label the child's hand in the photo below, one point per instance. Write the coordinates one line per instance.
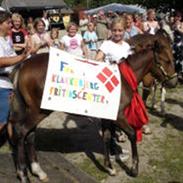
(27, 52)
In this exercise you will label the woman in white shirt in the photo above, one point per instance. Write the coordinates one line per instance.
(151, 25)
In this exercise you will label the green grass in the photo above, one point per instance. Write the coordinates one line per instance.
(169, 166)
(89, 167)
(5, 149)
(143, 179)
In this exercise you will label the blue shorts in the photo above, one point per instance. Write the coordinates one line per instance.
(4, 104)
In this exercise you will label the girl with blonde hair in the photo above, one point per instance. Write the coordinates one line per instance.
(18, 34)
(73, 42)
(114, 49)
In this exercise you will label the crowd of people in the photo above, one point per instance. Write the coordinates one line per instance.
(100, 36)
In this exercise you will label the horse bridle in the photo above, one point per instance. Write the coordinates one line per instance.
(160, 67)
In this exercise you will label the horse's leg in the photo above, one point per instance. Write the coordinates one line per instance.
(20, 159)
(163, 93)
(148, 82)
(108, 145)
(145, 94)
(22, 130)
(130, 132)
(32, 156)
(153, 103)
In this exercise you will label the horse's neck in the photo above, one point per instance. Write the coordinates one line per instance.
(142, 64)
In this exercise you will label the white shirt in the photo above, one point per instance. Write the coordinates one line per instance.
(151, 27)
(6, 50)
(114, 52)
(73, 44)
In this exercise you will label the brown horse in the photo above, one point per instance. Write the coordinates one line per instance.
(142, 42)
(26, 112)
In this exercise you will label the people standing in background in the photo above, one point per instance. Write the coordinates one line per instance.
(30, 26)
(90, 39)
(110, 17)
(66, 20)
(46, 20)
(151, 25)
(41, 40)
(18, 34)
(101, 28)
(131, 30)
(177, 27)
(54, 34)
(94, 20)
(83, 22)
(73, 42)
(138, 22)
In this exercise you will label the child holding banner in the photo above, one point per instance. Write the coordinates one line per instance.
(73, 42)
(112, 51)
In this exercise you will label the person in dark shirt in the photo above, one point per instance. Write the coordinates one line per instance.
(18, 34)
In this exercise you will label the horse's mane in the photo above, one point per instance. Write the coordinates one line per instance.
(139, 55)
(162, 33)
(141, 42)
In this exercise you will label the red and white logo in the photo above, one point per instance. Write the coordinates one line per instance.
(107, 77)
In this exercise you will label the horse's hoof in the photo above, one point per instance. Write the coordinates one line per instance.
(134, 172)
(25, 180)
(37, 170)
(111, 171)
(22, 177)
(147, 130)
(46, 179)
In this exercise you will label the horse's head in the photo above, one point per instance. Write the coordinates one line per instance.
(163, 68)
(141, 42)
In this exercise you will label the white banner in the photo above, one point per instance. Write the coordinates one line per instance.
(81, 86)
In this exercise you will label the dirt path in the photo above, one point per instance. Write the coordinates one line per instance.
(160, 154)
(77, 140)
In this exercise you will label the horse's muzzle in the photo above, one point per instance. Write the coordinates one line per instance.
(171, 82)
